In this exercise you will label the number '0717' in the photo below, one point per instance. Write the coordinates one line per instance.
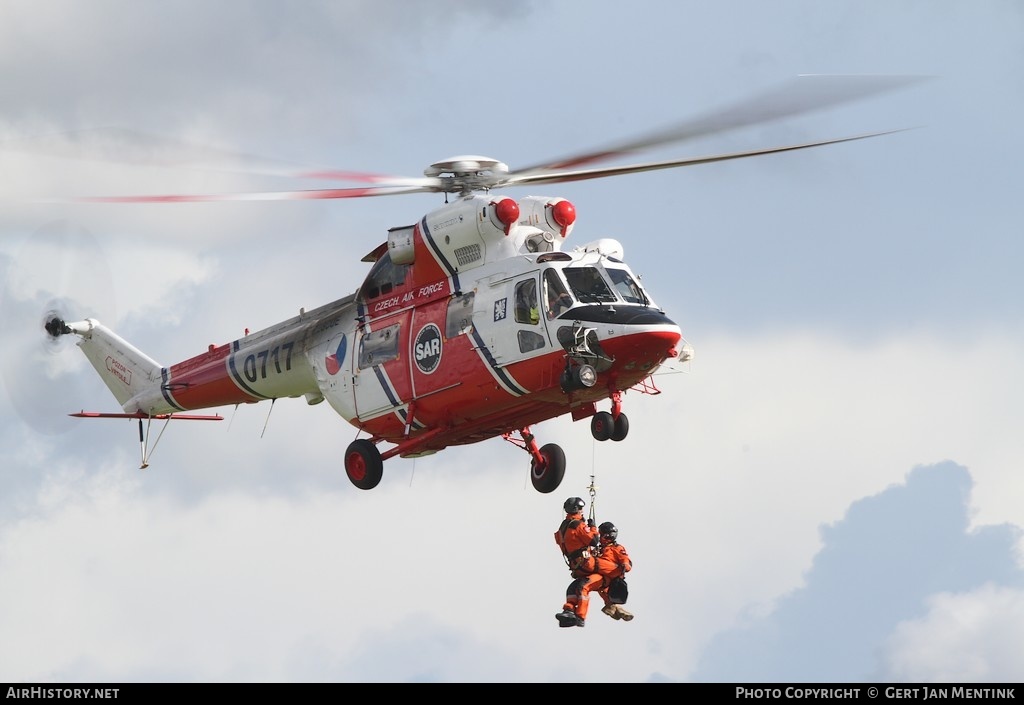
(255, 366)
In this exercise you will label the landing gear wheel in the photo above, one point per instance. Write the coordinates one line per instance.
(363, 464)
(602, 425)
(547, 477)
(621, 428)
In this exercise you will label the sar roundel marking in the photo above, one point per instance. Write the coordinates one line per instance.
(426, 350)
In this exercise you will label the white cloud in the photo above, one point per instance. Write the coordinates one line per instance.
(971, 637)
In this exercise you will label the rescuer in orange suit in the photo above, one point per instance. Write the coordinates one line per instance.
(578, 539)
(613, 562)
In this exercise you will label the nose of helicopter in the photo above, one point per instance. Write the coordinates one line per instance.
(628, 342)
(661, 343)
(643, 350)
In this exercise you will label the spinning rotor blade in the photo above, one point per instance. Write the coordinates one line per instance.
(584, 174)
(58, 271)
(131, 147)
(468, 174)
(803, 94)
(428, 186)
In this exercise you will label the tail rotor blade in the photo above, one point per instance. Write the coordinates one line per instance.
(57, 274)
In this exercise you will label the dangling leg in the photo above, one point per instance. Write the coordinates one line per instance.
(621, 613)
(577, 601)
(567, 617)
(586, 584)
(609, 609)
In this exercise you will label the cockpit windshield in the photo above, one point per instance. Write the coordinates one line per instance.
(588, 285)
(627, 287)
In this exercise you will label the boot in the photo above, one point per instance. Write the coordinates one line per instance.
(566, 618)
(612, 611)
(622, 614)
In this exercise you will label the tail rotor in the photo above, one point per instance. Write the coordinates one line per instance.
(57, 275)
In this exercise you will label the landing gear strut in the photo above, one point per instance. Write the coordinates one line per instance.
(547, 467)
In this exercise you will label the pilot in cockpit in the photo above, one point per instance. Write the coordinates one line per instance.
(526, 302)
(558, 300)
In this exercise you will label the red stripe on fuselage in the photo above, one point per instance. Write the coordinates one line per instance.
(203, 381)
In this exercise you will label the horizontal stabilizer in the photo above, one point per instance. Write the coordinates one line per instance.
(140, 415)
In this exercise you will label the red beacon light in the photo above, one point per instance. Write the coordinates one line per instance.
(564, 215)
(507, 212)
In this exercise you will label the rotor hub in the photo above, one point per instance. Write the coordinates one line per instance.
(466, 173)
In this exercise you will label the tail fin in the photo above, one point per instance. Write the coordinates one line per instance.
(125, 369)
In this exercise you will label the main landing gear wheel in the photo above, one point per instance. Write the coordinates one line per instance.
(621, 428)
(604, 426)
(363, 464)
(548, 476)
(601, 425)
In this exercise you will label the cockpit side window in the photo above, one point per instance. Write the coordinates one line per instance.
(383, 278)
(557, 298)
(588, 285)
(627, 287)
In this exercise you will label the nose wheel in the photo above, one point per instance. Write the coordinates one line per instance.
(604, 426)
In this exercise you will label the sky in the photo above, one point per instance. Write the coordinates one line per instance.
(830, 491)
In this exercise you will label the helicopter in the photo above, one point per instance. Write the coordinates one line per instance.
(475, 322)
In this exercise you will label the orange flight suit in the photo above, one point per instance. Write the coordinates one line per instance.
(576, 538)
(613, 562)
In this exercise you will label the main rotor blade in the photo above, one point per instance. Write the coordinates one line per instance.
(128, 147)
(308, 195)
(803, 94)
(584, 174)
(124, 146)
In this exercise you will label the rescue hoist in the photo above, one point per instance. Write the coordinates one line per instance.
(593, 496)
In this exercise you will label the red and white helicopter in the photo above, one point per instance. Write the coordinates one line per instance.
(476, 321)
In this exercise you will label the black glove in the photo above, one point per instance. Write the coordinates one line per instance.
(590, 523)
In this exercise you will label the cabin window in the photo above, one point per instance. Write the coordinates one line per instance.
(528, 340)
(627, 288)
(383, 278)
(588, 285)
(460, 315)
(527, 308)
(379, 346)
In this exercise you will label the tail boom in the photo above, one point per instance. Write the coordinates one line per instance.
(266, 365)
